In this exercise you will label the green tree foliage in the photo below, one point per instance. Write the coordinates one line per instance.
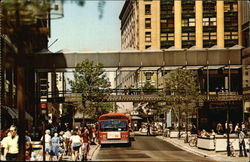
(91, 81)
(148, 88)
(182, 89)
(182, 85)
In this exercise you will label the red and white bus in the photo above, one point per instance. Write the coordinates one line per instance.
(113, 128)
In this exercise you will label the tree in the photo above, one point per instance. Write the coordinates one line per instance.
(91, 81)
(182, 86)
(148, 88)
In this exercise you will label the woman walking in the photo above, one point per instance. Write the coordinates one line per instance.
(47, 144)
(76, 144)
(55, 146)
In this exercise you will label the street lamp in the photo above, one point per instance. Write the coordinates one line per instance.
(224, 96)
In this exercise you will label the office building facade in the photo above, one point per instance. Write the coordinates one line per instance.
(189, 24)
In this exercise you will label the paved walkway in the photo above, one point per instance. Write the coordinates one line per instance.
(93, 148)
(218, 156)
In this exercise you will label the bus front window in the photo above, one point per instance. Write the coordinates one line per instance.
(113, 125)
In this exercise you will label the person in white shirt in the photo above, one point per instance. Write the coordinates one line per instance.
(76, 144)
(3, 143)
(66, 137)
(236, 128)
(47, 144)
(11, 145)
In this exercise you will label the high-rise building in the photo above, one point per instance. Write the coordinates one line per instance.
(245, 26)
(180, 24)
(184, 24)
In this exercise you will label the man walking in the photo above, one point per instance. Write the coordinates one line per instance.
(12, 145)
(242, 143)
(148, 129)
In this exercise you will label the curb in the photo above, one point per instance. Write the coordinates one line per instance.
(214, 157)
(96, 148)
(185, 148)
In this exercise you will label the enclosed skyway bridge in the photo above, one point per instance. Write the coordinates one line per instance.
(151, 60)
(147, 59)
(76, 97)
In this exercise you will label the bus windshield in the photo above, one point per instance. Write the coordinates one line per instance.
(113, 125)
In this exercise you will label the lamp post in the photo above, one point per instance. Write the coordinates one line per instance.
(228, 146)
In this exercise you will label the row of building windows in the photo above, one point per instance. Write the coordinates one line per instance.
(228, 7)
(206, 36)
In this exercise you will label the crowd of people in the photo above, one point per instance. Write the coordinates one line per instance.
(74, 143)
(240, 130)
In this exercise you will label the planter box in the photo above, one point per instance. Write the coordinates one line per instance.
(206, 143)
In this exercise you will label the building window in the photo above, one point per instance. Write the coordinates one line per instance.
(209, 21)
(209, 8)
(148, 23)
(148, 36)
(209, 36)
(188, 22)
(147, 46)
(230, 7)
(147, 9)
(231, 35)
(188, 36)
(170, 36)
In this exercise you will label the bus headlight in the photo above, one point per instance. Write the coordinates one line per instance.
(104, 136)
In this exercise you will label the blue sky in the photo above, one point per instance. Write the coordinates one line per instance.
(82, 29)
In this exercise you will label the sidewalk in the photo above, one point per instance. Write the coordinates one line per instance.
(218, 156)
(93, 148)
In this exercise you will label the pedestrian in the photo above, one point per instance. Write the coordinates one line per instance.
(66, 137)
(242, 143)
(230, 127)
(76, 144)
(3, 143)
(219, 128)
(86, 143)
(61, 146)
(11, 145)
(148, 129)
(55, 146)
(47, 144)
(243, 126)
(93, 134)
(236, 128)
(28, 146)
(212, 134)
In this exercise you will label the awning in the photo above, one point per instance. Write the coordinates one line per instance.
(14, 113)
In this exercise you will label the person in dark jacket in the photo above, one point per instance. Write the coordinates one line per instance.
(242, 143)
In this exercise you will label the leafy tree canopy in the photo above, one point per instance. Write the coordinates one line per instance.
(91, 81)
(148, 88)
(182, 84)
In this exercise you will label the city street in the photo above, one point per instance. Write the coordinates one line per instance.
(174, 75)
(145, 148)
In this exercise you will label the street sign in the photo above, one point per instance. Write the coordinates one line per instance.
(43, 100)
(43, 105)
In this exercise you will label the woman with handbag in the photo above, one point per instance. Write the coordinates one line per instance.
(76, 144)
